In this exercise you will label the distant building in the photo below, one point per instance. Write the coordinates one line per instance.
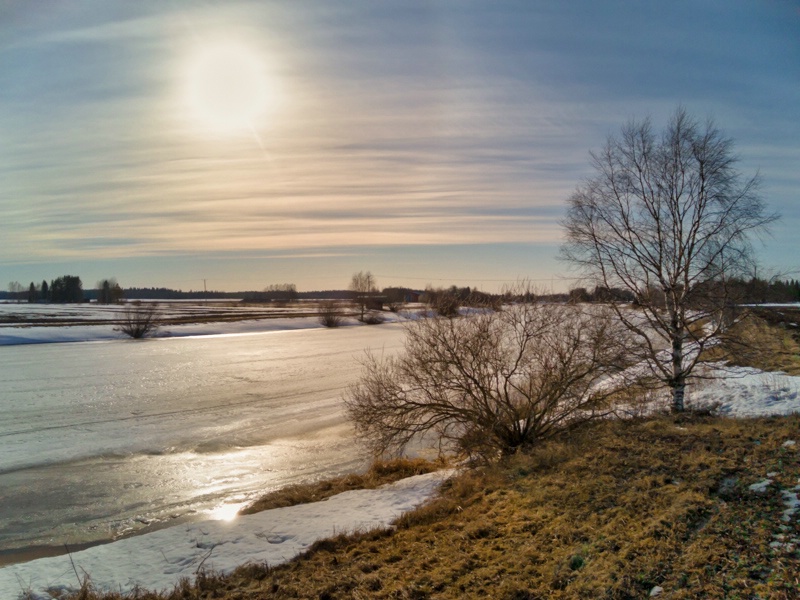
(371, 302)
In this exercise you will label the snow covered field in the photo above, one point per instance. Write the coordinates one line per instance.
(101, 438)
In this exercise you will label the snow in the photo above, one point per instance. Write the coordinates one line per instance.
(761, 486)
(729, 390)
(792, 503)
(746, 392)
(781, 541)
(159, 560)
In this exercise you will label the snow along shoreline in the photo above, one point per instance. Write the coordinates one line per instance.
(158, 560)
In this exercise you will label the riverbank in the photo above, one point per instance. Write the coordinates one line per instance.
(378, 474)
(677, 507)
(740, 392)
(161, 559)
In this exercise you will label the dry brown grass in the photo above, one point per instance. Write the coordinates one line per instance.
(611, 512)
(380, 473)
(766, 340)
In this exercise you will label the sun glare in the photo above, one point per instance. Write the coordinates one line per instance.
(226, 512)
(227, 87)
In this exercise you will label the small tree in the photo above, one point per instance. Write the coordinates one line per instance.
(15, 290)
(579, 295)
(140, 320)
(45, 291)
(364, 286)
(491, 382)
(33, 293)
(667, 218)
(109, 291)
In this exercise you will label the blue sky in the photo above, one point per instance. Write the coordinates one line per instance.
(429, 142)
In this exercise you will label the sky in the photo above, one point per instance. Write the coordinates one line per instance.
(235, 145)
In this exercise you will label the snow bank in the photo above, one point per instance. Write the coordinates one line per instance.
(746, 392)
(159, 560)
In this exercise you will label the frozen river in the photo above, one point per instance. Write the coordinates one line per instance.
(100, 439)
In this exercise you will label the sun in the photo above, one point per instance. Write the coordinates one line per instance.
(227, 87)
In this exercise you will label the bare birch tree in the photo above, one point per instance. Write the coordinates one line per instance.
(364, 285)
(669, 218)
(491, 382)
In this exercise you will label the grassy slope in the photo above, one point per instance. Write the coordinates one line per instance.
(618, 508)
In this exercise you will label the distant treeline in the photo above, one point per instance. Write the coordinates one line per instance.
(759, 291)
(161, 293)
(752, 291)
(69, 289)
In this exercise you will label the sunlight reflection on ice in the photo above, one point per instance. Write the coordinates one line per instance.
(225, 512)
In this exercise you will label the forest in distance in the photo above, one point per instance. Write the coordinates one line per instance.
(756, 290)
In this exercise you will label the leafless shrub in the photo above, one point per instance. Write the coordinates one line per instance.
(140, 320)
(372, 317)
(490, 382)
(331, 314)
